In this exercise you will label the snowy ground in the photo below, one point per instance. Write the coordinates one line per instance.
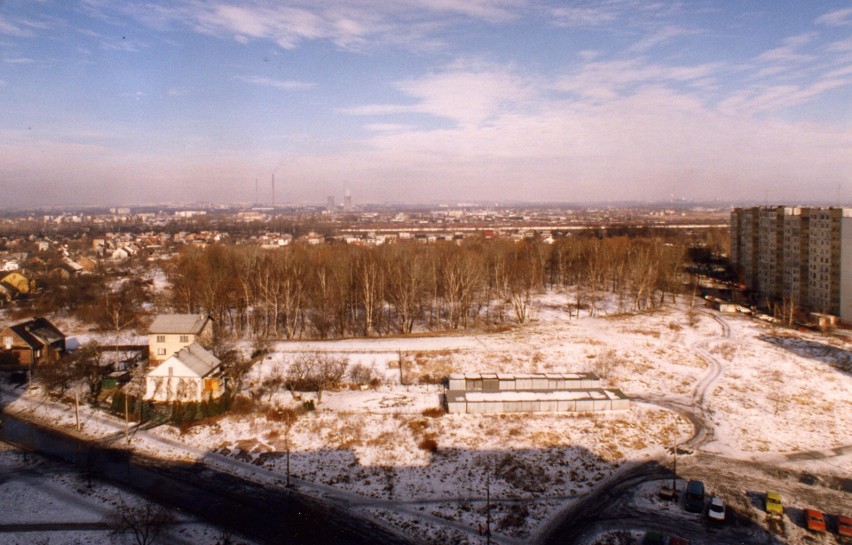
(43, 502)
(769, 394)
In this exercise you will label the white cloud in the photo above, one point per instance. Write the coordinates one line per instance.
(840, 17)
(286, 85)
(660, 36)
(19, 60)
(7, 27)
(571, 17)
(789, 53)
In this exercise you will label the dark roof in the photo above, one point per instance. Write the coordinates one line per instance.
(38, 332)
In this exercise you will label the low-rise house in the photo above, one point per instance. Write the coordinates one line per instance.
(192, 374)
(31, 342)
(19, 282)
(169, 333)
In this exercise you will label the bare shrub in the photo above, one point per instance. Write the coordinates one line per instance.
(244, 406)
(434, 412)
(515, 517)
(520, 474)
(429, 444)
(417, 426)
(361, 374)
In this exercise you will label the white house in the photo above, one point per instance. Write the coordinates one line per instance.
(192, 374)
(171, 332)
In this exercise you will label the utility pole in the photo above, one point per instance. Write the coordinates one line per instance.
(674, 473)
(77, 408)
(126, 421)
(488, 504)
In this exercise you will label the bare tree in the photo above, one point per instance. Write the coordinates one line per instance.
(316, 371)
(144, 523)
(287, 417)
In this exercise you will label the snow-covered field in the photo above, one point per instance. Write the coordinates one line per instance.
(768, 393)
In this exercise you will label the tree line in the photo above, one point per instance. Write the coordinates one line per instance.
(334, 291)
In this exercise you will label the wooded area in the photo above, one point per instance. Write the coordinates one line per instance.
(337, 291)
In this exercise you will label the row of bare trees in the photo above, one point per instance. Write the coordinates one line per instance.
(338, 291)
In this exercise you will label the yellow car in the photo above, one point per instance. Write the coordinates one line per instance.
(773, 504)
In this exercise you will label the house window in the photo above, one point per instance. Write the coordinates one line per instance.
(161, 338)
(184, 338)
(171, 371)
(7, 342)
(161, 351)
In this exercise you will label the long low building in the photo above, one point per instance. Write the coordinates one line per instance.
(492, 393)
(500, 382)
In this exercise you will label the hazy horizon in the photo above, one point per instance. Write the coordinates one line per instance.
(114, 103)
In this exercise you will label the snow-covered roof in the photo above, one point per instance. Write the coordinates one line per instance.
(559, 395)
(524, 376)
(196, 359)
(187, 324)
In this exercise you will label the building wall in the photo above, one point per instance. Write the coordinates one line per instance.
(736, 233)
(748, 247)
(770, 250)
(846, 266)
(160, 350)
(824, 261)
(538, 406)
(795, 256)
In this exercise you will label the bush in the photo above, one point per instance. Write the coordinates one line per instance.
(429, 444)
(361, 374)
(515, 518)
(308, 405)
(434, 412)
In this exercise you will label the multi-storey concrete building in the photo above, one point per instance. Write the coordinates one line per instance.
(795, 263)
(801, 257)
(770, 246)
(744, 229)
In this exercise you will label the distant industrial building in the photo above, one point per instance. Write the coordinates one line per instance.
(798, 257)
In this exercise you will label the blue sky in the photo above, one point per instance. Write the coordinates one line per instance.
(114, 102)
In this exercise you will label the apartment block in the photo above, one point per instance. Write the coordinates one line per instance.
(796, 236)
(744, 241)
(796, 255)
(770, 252)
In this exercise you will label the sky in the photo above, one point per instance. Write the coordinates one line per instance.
(109, 102)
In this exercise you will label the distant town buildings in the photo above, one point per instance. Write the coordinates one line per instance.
(798, 257)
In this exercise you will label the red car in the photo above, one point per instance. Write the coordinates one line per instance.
(814, 520)
(844, 526)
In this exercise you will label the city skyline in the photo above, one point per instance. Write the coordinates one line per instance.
(110, 103)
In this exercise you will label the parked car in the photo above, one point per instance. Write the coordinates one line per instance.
(844, 525)
(653, 538)
(716, 511)
(774, 506)
(694, 502)
(814, 520)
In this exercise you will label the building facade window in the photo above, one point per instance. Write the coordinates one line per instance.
(161, 351)
(161, 338)
(184, 338)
